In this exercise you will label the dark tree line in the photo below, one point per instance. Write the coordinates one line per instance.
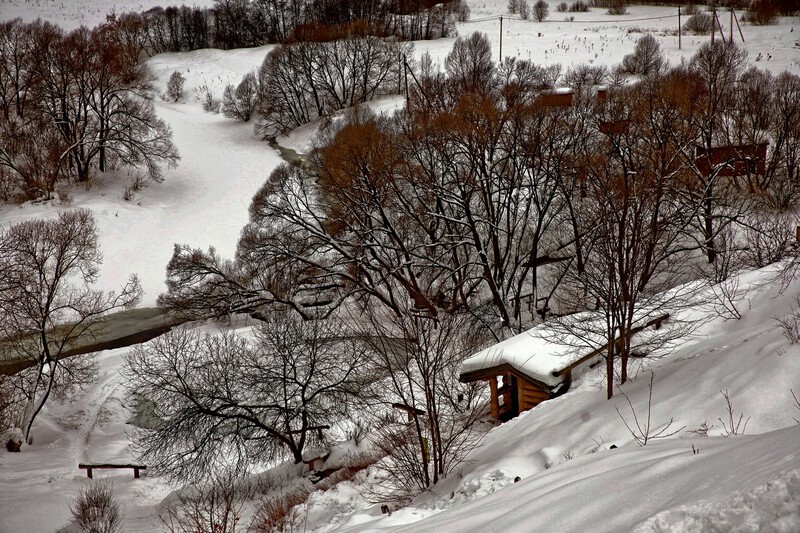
(73, 104)
(246, 23)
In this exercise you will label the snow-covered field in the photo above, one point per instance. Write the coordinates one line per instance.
(741, 483)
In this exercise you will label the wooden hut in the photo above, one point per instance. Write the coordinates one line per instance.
(732, 160)
(532, 367)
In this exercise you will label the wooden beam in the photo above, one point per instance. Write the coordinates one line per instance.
(493, 402)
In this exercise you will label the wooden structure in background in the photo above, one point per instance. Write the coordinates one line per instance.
(735, 160)
(555, 99)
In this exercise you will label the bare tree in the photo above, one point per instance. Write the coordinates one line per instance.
(240, 103)
(469, 64)
(432, 423)
(541, 10)
(46, 303)
(224, 400)
(647, 58)
(175, 87)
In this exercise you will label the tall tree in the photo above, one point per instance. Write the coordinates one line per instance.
(226, 400)
(46, 303)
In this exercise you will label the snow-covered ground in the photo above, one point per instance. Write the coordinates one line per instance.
(69, 14)
(571, 478)
(748, 482)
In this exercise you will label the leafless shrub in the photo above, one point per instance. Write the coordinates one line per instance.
(727, 293)
(215, 507)
(585, 75)
(702, 429)
(541, 10)
(580, 7)
(210, 104)
(64, 194)
(769, 238)
(524, 10)
(175, 87)
(690, 9)
(96, 510)
(280, 513)
(699, 24)
(617, 7)
(644, 431)
(733, 426)
(761, 13)
(790, 323)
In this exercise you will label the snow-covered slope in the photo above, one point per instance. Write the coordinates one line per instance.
(572, 481)
(570, 477)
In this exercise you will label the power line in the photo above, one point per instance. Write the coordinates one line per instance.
(614, 21)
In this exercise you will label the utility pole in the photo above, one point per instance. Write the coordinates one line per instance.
(501, 39)
(713, 18)
(679, 28)
(731, 35)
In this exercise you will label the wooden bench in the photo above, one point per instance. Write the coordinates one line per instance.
(89, 468)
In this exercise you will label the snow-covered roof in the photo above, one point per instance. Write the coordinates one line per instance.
(531, 353)
(543, 351)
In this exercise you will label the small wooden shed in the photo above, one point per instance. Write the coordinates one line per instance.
(732, 160)
(518, 391)
(530, 368)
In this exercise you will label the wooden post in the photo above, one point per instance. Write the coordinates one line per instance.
(679, 28)
(719, 25)
(89, 473)
(736, 19)
(495, 406)
(713, 17)
(797, 234)
(136, 472)
(501, 39)
(520, 396)
(730, 39)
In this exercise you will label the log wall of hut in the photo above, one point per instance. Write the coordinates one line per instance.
(511, 391)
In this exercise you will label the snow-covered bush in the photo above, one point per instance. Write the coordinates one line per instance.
(541, 10)
(699, 24)
(646, 59)
(215, 507)
(175, 87)
(96, 510)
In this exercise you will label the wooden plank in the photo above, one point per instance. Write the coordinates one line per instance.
(493, 402)
(90, 467)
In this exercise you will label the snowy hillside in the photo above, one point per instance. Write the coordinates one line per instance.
(570, 477)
